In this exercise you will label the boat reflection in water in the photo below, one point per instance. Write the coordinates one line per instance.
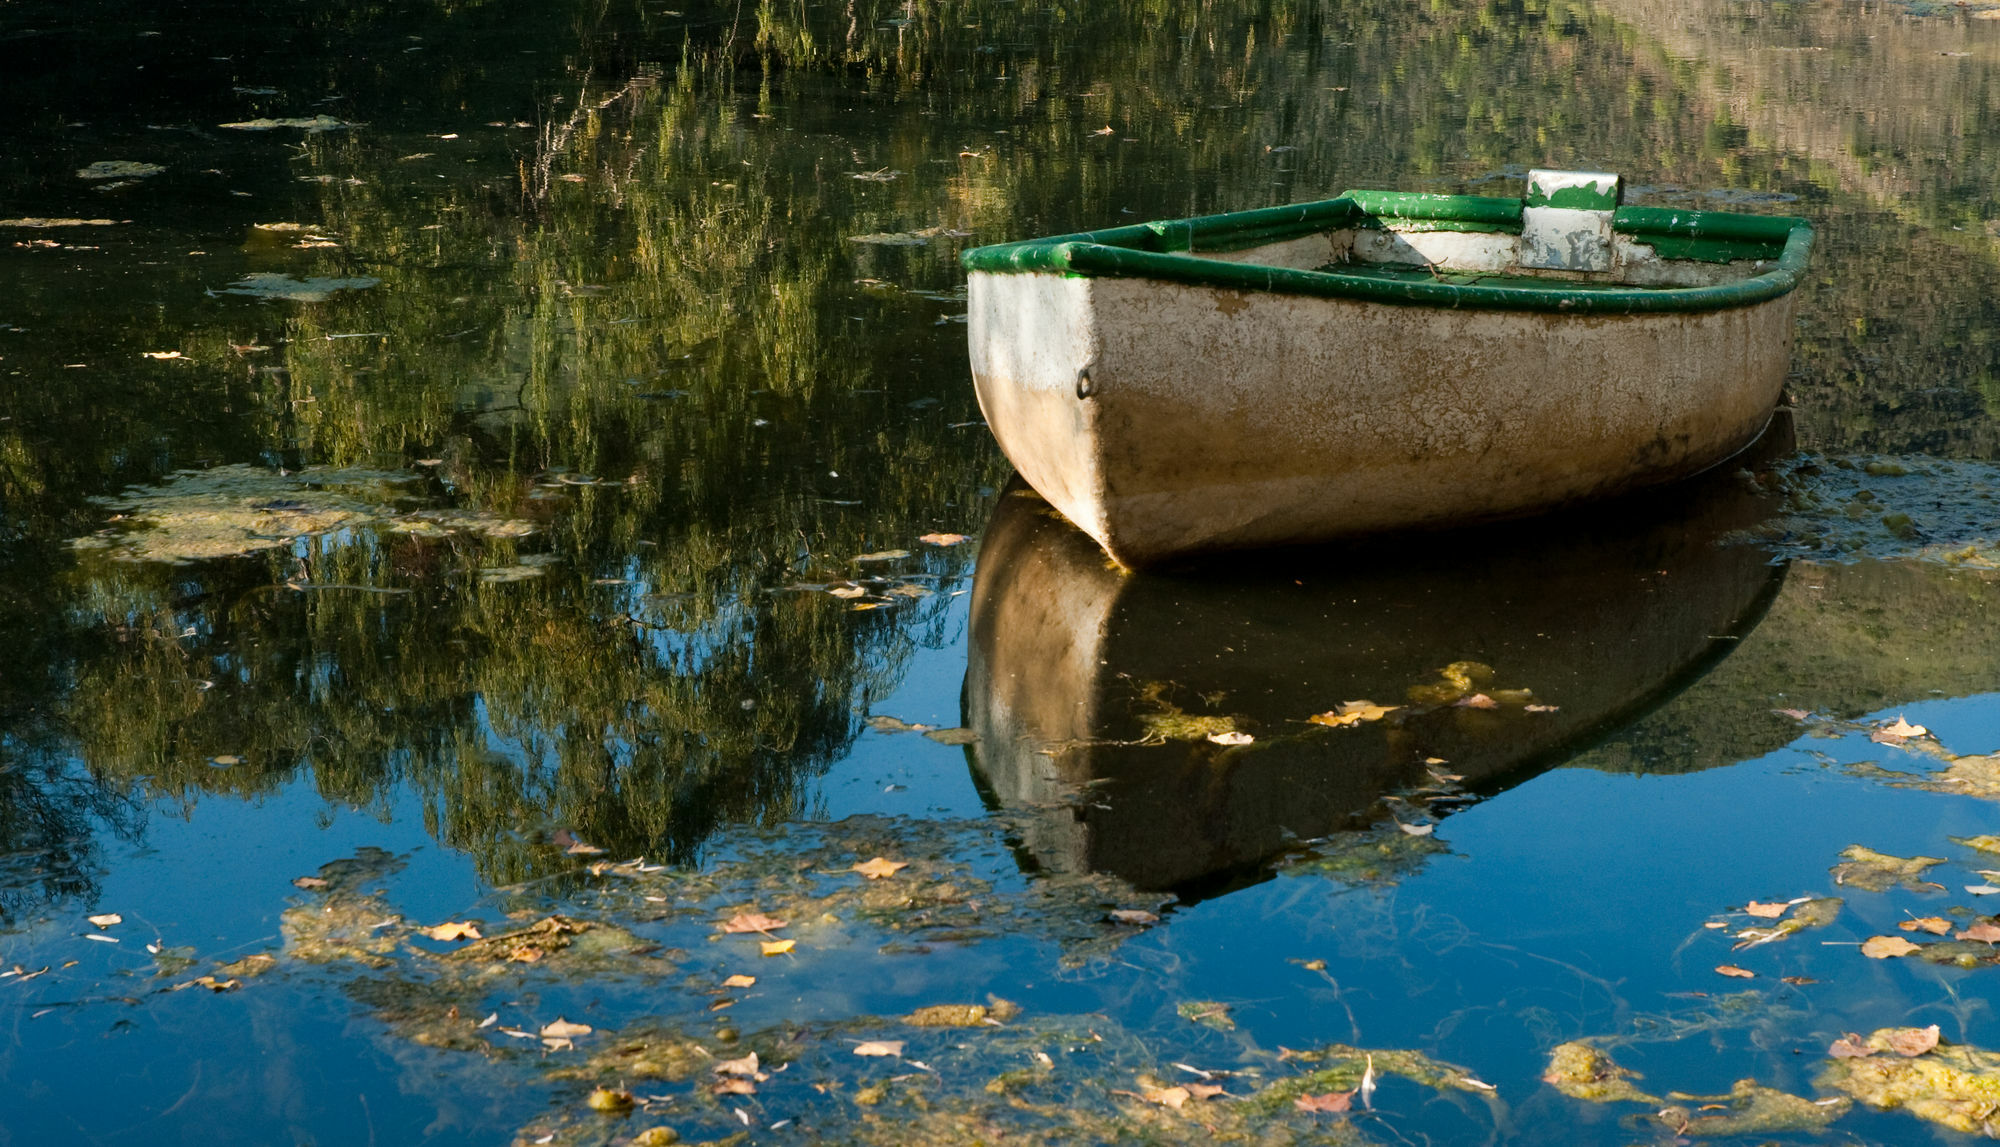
(1104, 700)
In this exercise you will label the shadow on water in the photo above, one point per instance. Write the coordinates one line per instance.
(1105, 700)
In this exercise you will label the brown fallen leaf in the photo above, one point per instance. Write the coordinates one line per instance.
(1935, 925)
(1794, 714)
(106, 919)
(1133, 916)
(1334, 1102)
(563, 1029)
(880, 868)
(311, 883)
(739, 981)
(1884, 947)
(751, 922)
(777, 947)
(1911, 1042)
(748, 1065)
(1850, 1046)
(880, 1047)
(454, 931)
(1476, 701)
(734, 1087)
(1766, 911)
(1204, 1090)
(1983, 930)
(943, 539)
(1733, 970)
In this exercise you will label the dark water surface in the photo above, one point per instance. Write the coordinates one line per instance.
(497, 492)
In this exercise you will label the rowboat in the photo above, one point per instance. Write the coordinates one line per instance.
(1378, 361)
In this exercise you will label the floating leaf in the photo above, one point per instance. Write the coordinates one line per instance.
(1350, 713)
(161, 354)
(1172, 1097)
(1231, 738)
(880, 868)
(879, 1047)
(106, 920)
(1332, 1103)
(752, 922)
(944, 539)
(1910, 1042)
(563, 1029)
(1935, 925)
(1794, 714)
(777, 947)
(453, 931)
(1885, 947)
(1766, 911)
(739, 981)
(1733, 970)
(733, 1087)
(745, 1066)
(1850, 1046)
(1904, 729)
(1476, 701)
(1133, 916)
(1984, 930)
(881, 556)
(310, 883)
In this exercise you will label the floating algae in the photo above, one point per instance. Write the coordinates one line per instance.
(312, 125)
(1383, 854)
(1456, 681)
(1969, 776)
(1340, 1067)
(273, 285)
(1582, 1071)
(1873, 871)
(232, 511)
(122, 169)
(1816, 913)
(1748, 1109)
(1169, 722)
(1955, 1085)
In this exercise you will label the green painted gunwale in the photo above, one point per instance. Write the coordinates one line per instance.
(1159, 251)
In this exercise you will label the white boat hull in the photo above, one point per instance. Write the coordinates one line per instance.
(1170, 418)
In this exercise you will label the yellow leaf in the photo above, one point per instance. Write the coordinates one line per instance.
(1352, 713)
(563, 1029)
(451, 931)
(777, 947)
(880, 868)
(739, 981)
(1884, 947)
(1935, 925)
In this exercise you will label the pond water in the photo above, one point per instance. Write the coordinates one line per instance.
(514, 466)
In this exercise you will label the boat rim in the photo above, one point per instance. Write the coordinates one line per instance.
(1167, 251)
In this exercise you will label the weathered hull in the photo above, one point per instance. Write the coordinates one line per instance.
(1169, 418)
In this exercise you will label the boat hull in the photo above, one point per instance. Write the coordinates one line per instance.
(1169, 418)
